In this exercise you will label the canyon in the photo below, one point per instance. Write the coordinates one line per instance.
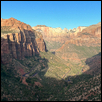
(37, 62)
(88, 36)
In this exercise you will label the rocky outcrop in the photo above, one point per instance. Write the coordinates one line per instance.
(94, 30)
(80, 28)
(57, 34)
(6, 56)
(90, 36)
(40, 44)
(18, 40)
(82, 35)
(52, 34)
(65, 30)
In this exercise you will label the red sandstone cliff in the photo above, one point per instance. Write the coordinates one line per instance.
(90, 36)
(18, 40)
(94, 30)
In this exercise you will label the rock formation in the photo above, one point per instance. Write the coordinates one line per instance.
(57, 34)
(90, 36)
(87, 36)
(94, 30)
(52, 34)
(19, 40)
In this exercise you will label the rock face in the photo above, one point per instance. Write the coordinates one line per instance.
(87, 36)
(94, 30)
(52, 34)
(19, 40)
(90, 36)
(57, 34)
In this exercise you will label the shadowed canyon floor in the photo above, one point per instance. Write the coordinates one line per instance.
(85, 86)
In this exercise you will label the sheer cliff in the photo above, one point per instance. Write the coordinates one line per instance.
(19, 40)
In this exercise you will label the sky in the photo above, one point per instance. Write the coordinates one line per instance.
(63, 14)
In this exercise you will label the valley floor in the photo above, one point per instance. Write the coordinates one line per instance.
(52, 79)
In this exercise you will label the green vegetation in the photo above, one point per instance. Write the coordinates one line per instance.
(52, 45)
(81, 51)
(54, 69)
(12, 86)
(20, 79)
(2, 31)
(6, 29)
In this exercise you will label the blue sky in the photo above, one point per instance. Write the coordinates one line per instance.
(64, 14)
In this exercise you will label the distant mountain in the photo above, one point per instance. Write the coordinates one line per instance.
(87, 42)
(57, 32)
(94, 30)
(81, 35)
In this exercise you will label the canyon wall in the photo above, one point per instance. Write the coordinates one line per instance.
(19, 40)
(88, 36)
(57, 34)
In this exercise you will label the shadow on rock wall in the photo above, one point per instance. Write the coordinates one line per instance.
(21, 46)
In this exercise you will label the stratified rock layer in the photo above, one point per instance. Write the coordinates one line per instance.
(18, 40)
(79, 35)
(57, 34)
